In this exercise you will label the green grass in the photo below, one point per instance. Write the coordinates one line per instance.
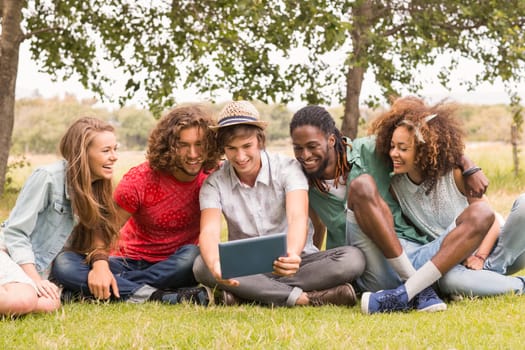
(495, 323)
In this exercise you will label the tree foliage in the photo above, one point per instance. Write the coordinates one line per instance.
(263, 49)
(240, 45)
(40, 123)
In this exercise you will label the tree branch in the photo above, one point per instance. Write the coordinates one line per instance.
(36, 32)
(394, 30)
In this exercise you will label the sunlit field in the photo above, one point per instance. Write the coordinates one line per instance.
(494, 158)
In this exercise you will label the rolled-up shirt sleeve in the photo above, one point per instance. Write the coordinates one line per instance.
(295, 178)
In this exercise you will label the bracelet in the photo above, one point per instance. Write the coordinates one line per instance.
(471, 171)
(479, 257)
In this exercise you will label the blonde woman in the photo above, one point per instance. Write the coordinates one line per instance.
(67, 204)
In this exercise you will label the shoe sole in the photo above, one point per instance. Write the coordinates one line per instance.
(365, 299)
(434, 308)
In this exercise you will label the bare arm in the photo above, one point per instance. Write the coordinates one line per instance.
(101, 281)
(476, 261)
(297, 216)
(44, 287)
(122, 216)
(476, 183)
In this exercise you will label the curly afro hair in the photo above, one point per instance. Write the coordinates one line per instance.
(438, 139)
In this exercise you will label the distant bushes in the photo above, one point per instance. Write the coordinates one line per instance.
(39, 123)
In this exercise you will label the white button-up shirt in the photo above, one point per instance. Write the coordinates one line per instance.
(259, 210)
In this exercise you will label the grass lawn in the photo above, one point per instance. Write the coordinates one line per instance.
(495, 323)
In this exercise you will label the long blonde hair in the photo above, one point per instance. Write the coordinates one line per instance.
(92, 201)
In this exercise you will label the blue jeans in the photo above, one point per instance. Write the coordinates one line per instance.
(133, 276)
(507, 257)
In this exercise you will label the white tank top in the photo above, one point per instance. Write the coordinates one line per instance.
(433, 213)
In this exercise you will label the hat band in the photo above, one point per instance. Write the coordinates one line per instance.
(236, 119)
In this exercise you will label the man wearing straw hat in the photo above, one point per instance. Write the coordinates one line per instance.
(260, 194)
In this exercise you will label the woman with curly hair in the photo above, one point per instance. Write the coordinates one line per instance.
(425, 145)
(64, 205)
(159, 206)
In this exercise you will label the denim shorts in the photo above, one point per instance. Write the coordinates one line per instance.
(420, 254)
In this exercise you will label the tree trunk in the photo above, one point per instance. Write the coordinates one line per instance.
(9, 50)
(354, 81)
(362, 14)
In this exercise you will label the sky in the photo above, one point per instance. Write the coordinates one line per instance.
(31, 80)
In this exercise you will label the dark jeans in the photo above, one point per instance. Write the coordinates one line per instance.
(71, 271)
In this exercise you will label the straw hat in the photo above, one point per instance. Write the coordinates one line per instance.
(239, 112)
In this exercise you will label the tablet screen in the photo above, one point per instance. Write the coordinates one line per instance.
(251, 256)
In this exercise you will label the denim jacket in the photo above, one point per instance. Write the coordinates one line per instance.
(41, 222)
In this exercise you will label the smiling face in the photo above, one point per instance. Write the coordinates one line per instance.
(102, 155)
(315, 151)
(189, 154)
(403, 153)
(244, 153)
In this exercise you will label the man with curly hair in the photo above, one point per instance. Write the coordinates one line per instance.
(160, 199)
(349, 194)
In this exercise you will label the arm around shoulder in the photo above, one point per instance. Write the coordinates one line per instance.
(476, 183)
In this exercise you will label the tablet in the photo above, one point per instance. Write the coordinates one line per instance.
(250, 256)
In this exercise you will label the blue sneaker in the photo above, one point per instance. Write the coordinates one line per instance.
(428, 301)
(385, 301)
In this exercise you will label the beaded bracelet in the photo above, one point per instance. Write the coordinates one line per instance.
(471, 171)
